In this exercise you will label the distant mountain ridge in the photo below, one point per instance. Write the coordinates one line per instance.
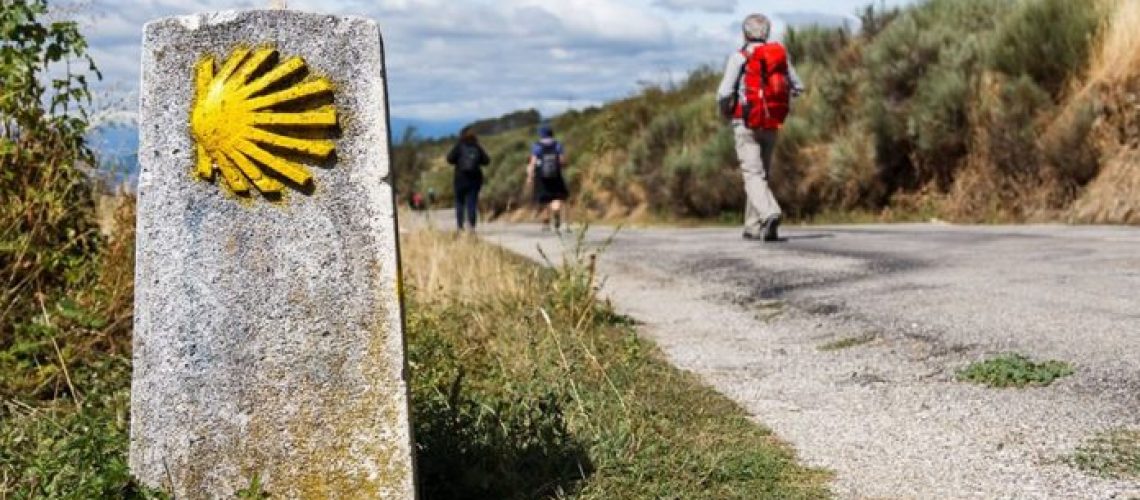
(116, 146)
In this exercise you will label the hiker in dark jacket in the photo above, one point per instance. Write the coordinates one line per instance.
(469, 158)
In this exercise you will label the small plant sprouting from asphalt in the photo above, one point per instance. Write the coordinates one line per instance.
(1114, 454)
(255, 490)
(1014, 370)
(848, 342)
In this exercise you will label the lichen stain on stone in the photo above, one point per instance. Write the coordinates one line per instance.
(239, 110)
(336, 433)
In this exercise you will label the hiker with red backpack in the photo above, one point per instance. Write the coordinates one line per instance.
(755, 94)
(544, 175)
(468, 157)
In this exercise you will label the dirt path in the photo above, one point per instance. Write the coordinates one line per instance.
(887, 415)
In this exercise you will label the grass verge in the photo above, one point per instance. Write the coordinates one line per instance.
(1014, 370)
(525, 385)
(1114, 454)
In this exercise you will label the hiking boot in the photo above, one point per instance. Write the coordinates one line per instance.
(750, 237)
(772, 228)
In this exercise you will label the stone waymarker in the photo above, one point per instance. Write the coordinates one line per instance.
(268, 326)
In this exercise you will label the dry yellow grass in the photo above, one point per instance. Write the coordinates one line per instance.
(448, 267)
(1118, 57)
(1114, 83)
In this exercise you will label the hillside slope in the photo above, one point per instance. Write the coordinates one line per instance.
(969, 110)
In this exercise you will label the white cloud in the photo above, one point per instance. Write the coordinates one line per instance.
(723, 6)
(458, 60)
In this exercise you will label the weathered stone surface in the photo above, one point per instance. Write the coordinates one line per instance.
(268, 336)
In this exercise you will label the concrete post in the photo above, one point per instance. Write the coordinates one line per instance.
(268, 324)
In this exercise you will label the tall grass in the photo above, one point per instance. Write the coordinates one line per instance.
(1118, 58)
(525, 385)
(1104, 110)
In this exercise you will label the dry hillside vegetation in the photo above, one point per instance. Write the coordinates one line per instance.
(1113, 88)
(970, 110)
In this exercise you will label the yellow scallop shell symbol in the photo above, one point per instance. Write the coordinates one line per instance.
(251, 114)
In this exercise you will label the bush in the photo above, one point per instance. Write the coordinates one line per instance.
(65, 292)
(1046, 40)
(1006, 128)
(47, 230)
(59, 451)
(920, 71)
(815, 44)
(1068, 145)
(853, 171)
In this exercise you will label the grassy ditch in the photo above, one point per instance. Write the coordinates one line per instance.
(525, 386)
(1014, 370)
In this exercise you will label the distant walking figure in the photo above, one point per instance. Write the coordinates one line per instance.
(544, 173)
(755, 94)
(469, 158)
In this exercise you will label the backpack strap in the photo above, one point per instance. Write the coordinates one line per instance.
(743, 68)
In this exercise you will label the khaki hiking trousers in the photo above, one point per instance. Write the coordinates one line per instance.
(754, 149)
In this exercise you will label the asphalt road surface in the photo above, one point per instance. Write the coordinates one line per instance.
(887, 416)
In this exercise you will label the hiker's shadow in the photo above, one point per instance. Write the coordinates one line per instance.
(512, 448)
(808, 236)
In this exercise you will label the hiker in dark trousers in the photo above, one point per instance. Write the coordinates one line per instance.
(755, 94)
(544, 174)
(468, 157)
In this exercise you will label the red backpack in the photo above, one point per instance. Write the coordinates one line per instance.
(767, 91)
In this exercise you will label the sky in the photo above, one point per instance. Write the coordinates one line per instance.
(454, 61)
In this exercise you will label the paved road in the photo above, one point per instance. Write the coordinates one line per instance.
(887, 416)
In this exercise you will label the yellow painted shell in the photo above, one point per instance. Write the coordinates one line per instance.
(236, 115)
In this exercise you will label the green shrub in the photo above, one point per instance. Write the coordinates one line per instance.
(1068, 145)
(853, 170)
(815, 44)
(59, 451)
(921, 72)
(1006, 137)
(1046, 40)
(47, 230)
(1015, 370)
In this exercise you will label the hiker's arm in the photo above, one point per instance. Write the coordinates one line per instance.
(530, 169)
(484, 158)
(453, 156)
(727, 90)
(794, 79)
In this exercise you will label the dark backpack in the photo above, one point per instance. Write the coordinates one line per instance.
(767, 90)
(470, 158)
(549, 161)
